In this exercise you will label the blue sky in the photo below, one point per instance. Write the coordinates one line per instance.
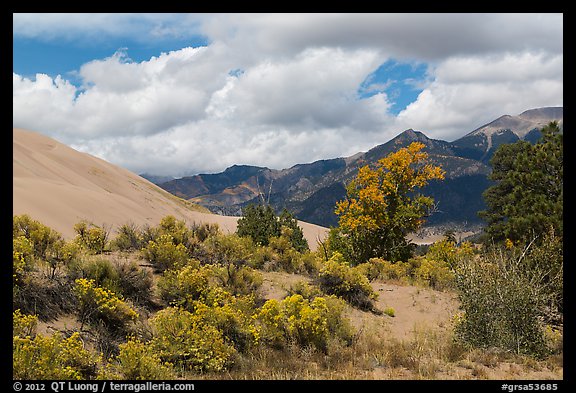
(400, 81)
(178, 94)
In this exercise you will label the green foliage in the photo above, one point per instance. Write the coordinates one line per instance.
(204, 230)
(129, 238)
(261, 224)
(90, 237)
(238, 280)
(228, 249)
(381, 207)
(186, 340)
(308, 322)
(164, 253)
(546, 261)
(337, 278)
(503, 303)
(102, 272)
(137, 361)
(258, 222)
(528, 195)
(289, 227)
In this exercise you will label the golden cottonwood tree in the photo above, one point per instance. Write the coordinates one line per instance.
(382, 207)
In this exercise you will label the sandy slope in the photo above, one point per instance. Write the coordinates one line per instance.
(60, 186)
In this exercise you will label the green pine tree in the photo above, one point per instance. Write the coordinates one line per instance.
(527, 199)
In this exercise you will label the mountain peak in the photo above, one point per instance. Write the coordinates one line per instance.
(551, 112)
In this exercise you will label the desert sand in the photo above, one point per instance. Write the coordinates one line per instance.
(60, 186)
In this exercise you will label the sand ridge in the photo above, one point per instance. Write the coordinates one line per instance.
(60, 186)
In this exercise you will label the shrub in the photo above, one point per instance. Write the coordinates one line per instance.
(90, 237)
(43, 297)
(261, 257)
(129, 238)
(135, 283)
(177, 229)
(185, 340)
(337, 278)
(22, 258)
(137, 361)
(228, 249)
(434, 273)
(55, 358)
(234, 316)
(165, 254)
(285, 258)
(307, 322)
(238, 280)
(395, 270)
(503, 304)
(23, 325)
(204, 230)
(182, 287)
(389, 311)
(102, 272)
(305, 289)
(42, 237)
(97, 303)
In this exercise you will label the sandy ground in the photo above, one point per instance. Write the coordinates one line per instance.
(60, 186)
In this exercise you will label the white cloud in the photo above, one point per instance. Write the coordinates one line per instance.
(295, 97)
(471, 91)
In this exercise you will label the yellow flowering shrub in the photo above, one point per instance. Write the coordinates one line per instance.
(336, 277)
(182, 287)
(53, 357)
(44, 239)
(165, 254)
(91, 237)
(186, 340)
(136, 361)
(434, 273)
(23, 325)
(307, 322)
(22, 258)
(100, 303)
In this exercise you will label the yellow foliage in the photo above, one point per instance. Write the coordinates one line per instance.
(101, 302)
(52, 357)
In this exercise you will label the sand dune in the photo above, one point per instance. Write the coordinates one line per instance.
(60, 186)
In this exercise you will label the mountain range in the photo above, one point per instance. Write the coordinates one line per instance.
(310, 191)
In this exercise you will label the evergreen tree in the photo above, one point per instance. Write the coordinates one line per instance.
(527, 199)
(287, 220)
(258, 222)
(261, 223)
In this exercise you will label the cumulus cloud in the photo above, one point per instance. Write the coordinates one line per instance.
(276, 90)
(469, 91)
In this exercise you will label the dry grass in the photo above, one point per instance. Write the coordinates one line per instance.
(429, 354)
